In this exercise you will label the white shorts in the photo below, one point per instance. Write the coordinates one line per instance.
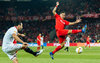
(11, 50)
(41, 43)
(67, 44)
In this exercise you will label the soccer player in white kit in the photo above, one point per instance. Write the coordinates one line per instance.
(9, 48)
(42, 37)
(67, 43)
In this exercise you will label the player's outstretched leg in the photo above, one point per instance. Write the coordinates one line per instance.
(51, 54)
(32, 52)
(28, 50)
(77, 31)
(39, 52)
(57, 49)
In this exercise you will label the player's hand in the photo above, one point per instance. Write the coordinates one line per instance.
(25, 43)
(22, 35)
(78, 19)
(57, 3)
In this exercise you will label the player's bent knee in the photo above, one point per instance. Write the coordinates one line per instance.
(24, 46)
(69, 31)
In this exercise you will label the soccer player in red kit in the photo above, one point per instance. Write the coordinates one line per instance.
(88, 41)
(39, 41)
(60, 31)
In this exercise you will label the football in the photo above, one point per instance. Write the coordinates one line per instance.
(79, 50)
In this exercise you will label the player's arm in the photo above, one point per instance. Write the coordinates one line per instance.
(88, 40)
(38, 39)
(17, 38)
(78, 20)
(19, 34)
(55, 8)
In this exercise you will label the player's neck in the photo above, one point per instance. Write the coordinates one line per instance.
(16, 27)
(62, 18)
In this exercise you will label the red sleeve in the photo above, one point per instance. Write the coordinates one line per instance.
(56, 15)
(39, 37)
(66, 22)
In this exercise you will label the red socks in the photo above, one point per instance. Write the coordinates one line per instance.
(57, 49)
(76, 31)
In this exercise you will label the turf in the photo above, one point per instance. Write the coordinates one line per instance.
(89, 55)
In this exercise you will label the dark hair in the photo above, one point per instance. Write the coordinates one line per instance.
(42, 35)
(62, 12)
(17, 23)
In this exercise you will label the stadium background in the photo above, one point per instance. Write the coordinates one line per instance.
(37, 17)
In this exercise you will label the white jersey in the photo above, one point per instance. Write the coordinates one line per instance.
(67, 42)
(41, 40)
(8, 39)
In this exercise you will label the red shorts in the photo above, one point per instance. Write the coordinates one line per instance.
(61, 34)
(87, 42)
(39, 43)
(14, 42)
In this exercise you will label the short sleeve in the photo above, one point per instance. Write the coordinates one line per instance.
(13, 30)
(66, 22)
(56, 15)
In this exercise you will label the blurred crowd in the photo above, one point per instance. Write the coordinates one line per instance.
(80, 7)
(92, 31)
(44, 8)
(32, 28)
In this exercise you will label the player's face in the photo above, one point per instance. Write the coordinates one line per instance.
(39, 34)
(21, 27)
(68, 35)
(62, 15)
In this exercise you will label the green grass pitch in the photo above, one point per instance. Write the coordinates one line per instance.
(89, 55)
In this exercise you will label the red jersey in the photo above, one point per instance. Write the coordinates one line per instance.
(60, 23)
(38, 38)
(88, 39)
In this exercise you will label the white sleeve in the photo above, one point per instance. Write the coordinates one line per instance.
(13, 30)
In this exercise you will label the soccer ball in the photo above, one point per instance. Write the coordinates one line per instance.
(79, 50)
